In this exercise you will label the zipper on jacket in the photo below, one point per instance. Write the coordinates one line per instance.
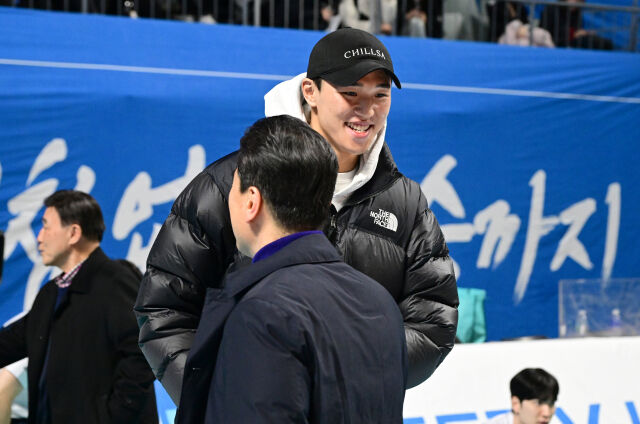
(332, 230)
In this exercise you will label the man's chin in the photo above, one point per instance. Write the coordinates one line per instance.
(360, 146)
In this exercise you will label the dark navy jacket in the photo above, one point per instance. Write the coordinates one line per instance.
(298, 337)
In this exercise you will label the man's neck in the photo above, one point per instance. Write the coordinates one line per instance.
(278, 244)
(79, 255)
(268, 237)
(347, 163)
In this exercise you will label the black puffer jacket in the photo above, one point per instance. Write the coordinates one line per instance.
(385, 230)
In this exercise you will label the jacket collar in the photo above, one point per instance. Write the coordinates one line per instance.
(313, 248)
(386, 174)
(82, 281)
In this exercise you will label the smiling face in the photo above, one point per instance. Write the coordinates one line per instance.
(350, 117)
(531, 411)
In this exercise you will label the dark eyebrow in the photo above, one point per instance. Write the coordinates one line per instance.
(382, 85)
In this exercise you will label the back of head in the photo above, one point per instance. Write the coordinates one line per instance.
(535, 383)
(294, 168)
(76, 207)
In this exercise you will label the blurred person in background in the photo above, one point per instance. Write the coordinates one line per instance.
(420, 18)
(359, 14)
(379, 220)
(517, 33)
(510, 22)
(14, 403)
(501, 14)
(13, 378)
(306, 14)
(13, 396)
(533, 397)
(565, 25)
(80, 335)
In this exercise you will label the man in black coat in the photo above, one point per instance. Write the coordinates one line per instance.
(298, 335)
(80, 336)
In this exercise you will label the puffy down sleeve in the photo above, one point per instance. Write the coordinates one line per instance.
(430, 299)
(191, 253)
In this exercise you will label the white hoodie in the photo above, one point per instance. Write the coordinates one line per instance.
(286, 99)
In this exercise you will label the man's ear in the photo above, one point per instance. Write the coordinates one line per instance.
(253, 204)
(76, 233)
(515, 405)
(310, 91)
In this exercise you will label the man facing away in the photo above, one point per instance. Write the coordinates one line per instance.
(80, 335)
(533, 396)
(379, 220)
(298, 336)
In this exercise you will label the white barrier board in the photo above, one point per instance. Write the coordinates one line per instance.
(599, 381)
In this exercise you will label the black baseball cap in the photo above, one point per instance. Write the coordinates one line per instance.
(348, 54)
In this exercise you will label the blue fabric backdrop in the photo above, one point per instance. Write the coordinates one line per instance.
(529, 156)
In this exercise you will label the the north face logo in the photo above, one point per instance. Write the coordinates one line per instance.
(385, 219)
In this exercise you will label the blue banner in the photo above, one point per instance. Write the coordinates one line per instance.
(528, 156)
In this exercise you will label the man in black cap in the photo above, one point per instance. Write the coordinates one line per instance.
(379, 220)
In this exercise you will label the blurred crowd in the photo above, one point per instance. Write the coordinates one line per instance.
(513, 22)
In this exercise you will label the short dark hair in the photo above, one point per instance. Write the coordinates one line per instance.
(76, 207)
(535, 383)
(294, 168)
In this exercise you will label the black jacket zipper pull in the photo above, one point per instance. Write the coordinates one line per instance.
(332, 231)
